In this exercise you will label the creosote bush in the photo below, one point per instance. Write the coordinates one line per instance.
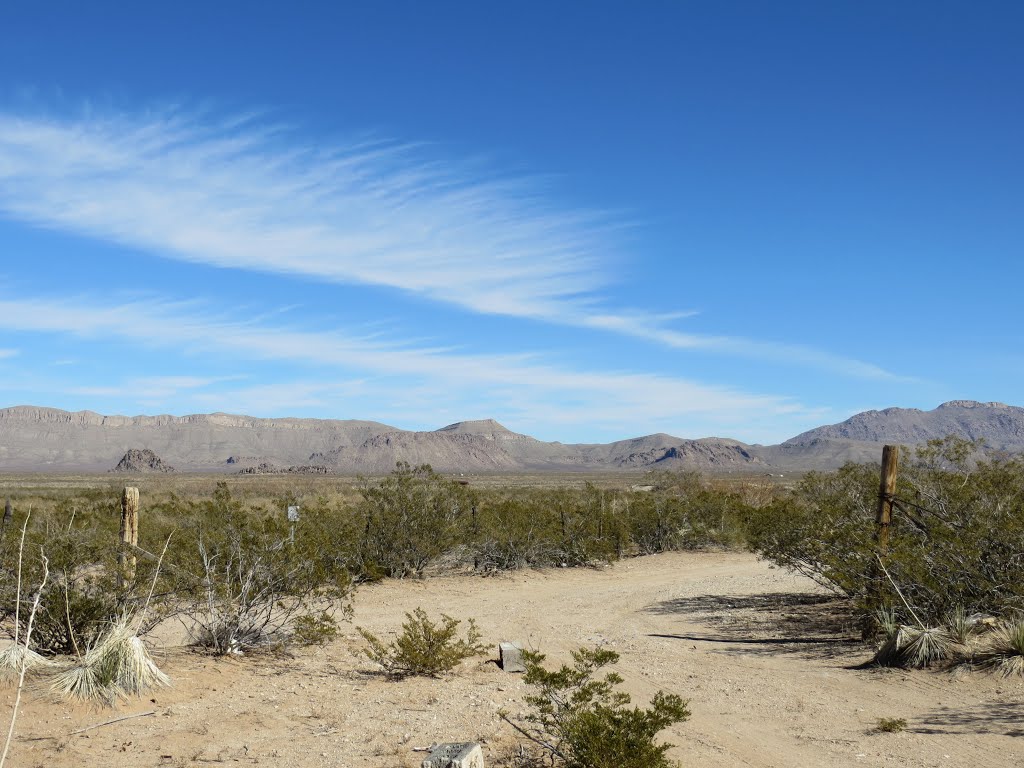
(244, 574)
(412, 517)
(314, 629)
(955, 541)
(578, 720)
(239, 575)
(424, 647)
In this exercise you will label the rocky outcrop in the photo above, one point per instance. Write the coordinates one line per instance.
(141, 460)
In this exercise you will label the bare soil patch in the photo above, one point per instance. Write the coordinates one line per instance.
(764, 657)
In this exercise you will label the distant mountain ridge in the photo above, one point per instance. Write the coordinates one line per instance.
(1001, 426)
(48, 439)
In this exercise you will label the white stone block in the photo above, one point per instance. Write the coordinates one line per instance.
(462, 755)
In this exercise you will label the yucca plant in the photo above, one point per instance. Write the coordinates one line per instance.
(1004, 650)
(16, 656)
(117, 666)
(926, 646)
(915, 647)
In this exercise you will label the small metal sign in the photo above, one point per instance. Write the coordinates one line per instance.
(293, 514)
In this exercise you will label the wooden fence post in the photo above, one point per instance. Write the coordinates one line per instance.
(883, 519)
(129, 535)
(886, 491)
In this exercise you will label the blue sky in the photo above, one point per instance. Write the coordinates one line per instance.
(588, 220)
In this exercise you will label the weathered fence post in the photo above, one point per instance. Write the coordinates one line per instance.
(8, 513)
(883, 519)
(886, 491)
(129, 535)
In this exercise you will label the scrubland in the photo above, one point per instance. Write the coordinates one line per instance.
(761, 605)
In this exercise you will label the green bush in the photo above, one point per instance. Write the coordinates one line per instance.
(412, 517)
(424, 648)
(314, 629)
(891, 724)
(248, 573)
(683, 512)
(578, 721)
(526, 528)
(955, 540)
(82, 595)
(512, 532)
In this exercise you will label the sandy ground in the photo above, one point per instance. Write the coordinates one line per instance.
(723, 630)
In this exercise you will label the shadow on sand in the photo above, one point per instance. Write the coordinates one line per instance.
(821, 626)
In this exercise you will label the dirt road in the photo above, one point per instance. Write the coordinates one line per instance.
(762, 655)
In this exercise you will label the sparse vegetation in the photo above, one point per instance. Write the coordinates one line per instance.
(578, 720)
(314, 629)
(119, 665)
(424, 647)
(891, 725)
(955, 540)
(1003, 651)
(250, 574)
(412, 517)
(916, 647)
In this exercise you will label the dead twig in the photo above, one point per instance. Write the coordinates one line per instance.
(28, 639)
(111, 722)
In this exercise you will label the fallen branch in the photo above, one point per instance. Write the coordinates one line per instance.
(111, 722)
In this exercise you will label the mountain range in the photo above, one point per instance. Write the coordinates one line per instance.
(48, 439)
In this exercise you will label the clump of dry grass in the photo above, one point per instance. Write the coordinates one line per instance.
(1004, 650)
(960, 626)
(118, 665)
(16, 656)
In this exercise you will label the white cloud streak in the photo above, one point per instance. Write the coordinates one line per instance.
(5, 353)
(234, 194)
(153, 388)
(446, 378)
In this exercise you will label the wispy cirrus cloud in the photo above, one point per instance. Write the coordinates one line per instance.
(434, 378)
(234, 194)
(5, 353)
(151, 388)
(244, 195)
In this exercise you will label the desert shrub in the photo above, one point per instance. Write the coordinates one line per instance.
(82, 595)
(570, 527)
(411, 517)
(891, 725)
(683, 512)
(314, 629)
(511, 532)
(580, 721)
(116, 666)
(250, 573)
(588, 526)
(916, 647)
(956, 539)
(424, 647)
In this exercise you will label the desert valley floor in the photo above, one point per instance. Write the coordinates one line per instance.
(762, 655)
